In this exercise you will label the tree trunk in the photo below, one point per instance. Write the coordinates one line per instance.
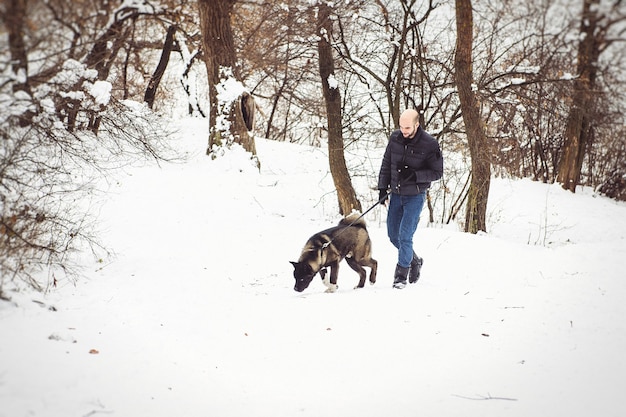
(476, 211)
(14, 20)
(155, 80)
(220, 60)
(346, 196)
(578, 126)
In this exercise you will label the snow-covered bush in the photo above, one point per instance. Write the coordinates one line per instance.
(50, 165)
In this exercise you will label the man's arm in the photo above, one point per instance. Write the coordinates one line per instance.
(433, 168)
(384, 176)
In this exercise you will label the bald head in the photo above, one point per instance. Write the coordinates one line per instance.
(409, 121)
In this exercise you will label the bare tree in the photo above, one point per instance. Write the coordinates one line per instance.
(518, 85)
(476, 212)
(278, 63)
(579, 127)
(396, 63)
(227, 123)
(348, 200)
(526, 83)
(155, 80)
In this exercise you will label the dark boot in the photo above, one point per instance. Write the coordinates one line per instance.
(399, 277)
(416, 267)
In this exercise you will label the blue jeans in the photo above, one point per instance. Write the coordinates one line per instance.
(402, 219)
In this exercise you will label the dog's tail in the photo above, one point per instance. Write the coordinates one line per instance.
(354, 220)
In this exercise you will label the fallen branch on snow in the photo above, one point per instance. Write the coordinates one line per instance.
(482, 398)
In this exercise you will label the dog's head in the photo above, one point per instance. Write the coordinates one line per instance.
(303, 273)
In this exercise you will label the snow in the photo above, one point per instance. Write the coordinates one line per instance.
(196, 314)
(332, 82)
(100, 91)
(229, 89)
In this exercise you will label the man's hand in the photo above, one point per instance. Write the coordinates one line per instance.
(383, 197)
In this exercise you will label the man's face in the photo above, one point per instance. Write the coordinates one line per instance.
(408, 128)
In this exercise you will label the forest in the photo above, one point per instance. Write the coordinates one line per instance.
(509, 88)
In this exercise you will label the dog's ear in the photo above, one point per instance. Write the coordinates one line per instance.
(295, 264)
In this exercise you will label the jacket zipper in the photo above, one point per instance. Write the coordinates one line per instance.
(406, 148)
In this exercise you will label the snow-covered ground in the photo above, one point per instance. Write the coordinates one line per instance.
(197, 316)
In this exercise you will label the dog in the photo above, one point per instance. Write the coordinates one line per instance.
(350, 241)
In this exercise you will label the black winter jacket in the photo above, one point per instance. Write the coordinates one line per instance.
(410, 165)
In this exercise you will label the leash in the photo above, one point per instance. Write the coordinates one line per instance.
(380, 201)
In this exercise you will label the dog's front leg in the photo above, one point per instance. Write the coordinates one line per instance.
(323, 274)
(331, 285)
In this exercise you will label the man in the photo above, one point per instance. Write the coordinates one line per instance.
(411, 161)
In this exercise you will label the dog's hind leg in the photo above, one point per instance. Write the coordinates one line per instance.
(359, 269)
(373, 265)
